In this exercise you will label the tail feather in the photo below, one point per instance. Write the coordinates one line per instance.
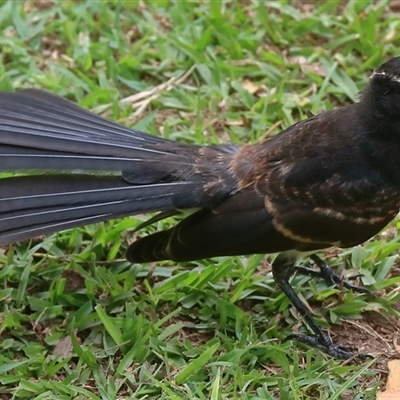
(33, 205)
(42, 130)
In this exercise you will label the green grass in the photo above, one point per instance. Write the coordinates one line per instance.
(79, 322)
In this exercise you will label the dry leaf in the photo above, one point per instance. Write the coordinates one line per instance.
(63, 347)
(74, 280)
(316, 68)
(250, 86)
(305, 66)
(234, 123)
(392, 391)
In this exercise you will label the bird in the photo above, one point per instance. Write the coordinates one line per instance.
(329, 180)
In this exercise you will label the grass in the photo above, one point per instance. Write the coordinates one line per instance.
(79, 322)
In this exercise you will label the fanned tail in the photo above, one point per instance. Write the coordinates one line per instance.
(79, 168)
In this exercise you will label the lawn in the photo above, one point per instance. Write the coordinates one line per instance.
(77, 321)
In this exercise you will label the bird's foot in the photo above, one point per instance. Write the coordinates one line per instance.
(282, 268)
(330, 276)
(341, 352)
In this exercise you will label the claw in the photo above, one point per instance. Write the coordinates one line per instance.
(331, 277)
(341, 352)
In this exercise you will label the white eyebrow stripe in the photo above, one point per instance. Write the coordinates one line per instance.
(383, 74)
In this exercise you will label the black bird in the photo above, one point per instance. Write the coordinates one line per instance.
(331, 180)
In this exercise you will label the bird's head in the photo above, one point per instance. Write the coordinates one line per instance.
(384, 89)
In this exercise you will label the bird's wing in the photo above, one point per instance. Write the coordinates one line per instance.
(239, 225)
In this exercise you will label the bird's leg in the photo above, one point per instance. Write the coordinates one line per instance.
(329, 275)
(282, 269)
